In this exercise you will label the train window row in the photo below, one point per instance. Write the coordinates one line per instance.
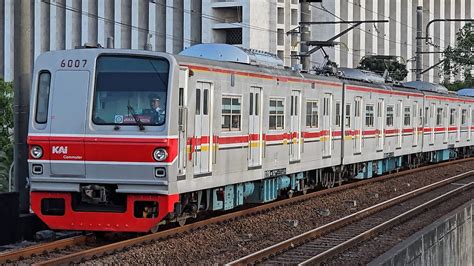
(232, 106)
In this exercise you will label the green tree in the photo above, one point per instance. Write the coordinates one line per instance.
(379, 63)
(6, 131)
(460, 58)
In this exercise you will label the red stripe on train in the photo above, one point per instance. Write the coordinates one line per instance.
(103, 149)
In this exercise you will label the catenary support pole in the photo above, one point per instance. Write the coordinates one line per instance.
(305, 35)
(419, 42)
(23, 65)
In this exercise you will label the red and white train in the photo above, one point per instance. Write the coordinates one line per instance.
(127, 140)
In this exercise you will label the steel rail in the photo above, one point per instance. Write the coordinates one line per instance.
(10, 256)
(110, 248)
(386, 225)
(330, 227)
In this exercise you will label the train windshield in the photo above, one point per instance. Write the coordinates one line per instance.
(130, 91)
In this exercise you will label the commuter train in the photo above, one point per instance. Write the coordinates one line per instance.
(128, 140)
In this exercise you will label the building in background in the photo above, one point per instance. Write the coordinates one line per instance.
(398, 37)
(173, 25)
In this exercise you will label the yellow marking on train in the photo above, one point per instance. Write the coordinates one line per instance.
(254, 144)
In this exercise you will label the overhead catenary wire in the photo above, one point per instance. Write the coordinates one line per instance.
(132, 27)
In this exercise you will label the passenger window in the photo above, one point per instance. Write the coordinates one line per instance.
(231, 114)
(406, 117)
(347, 122)
(389, 120)
(463, 117)
(439, 116)
(452, 116)
(277, 114)
(312, 114)
(42, 102)
(369, 115)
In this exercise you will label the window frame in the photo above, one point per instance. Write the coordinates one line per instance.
(464, 117)
(392, 113)
(347, 116)
(452, 116)
(283, 100)
(38, 98)
(439, 116)
(312, 101)
(232, 96)
(369, 116)
(407, 116)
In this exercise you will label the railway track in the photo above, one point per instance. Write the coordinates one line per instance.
(77, 255)
(323, 243)
(39, 249)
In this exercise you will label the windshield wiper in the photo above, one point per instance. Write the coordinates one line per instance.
(135, 117)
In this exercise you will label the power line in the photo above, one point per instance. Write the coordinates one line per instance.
(368, 32)
(69, 8)
(217, 19)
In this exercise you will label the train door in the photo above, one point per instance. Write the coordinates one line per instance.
(446, 123)
(69, 118)
(182, 120)
(326, 129)
(380, 123)
(400, 123)
(415, 124)
(295, 124)
(255, 128)
(469, 124)
(358, 125)
(433, 122)
(458, 123)
(203, 128)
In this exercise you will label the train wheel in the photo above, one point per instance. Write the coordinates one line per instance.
(181, 221)
(289, 194)
(305, 190)
(155, 228)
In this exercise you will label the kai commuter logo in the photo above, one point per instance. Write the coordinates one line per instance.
(59, 149)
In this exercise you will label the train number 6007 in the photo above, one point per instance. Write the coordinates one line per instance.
(73, 63)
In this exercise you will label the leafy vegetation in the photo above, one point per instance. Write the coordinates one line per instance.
(379, 63)
(460, 59)
(6, 131)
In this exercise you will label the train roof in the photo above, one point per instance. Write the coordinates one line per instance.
(269, 70)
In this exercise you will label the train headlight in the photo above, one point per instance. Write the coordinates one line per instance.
(36, 152)
(160, 155)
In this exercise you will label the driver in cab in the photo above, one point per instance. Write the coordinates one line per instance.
(157, 111)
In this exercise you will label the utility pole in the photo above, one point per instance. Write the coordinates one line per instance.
(23, 65)
(305, 34)
(419, 43)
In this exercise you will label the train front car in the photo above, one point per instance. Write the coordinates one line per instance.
(101, 148)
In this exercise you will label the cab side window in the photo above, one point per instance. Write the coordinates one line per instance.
(42, 102)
